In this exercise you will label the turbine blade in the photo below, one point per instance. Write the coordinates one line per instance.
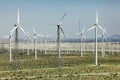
(23, 30)
(11, 33)
(84, 37)
(34, 30)
(79, 25)
(62, 32)
(62, 18)
(101, 28)
(96, 17)
(104, 32)
(83, 29)
(91, 28)
(13, 29)
(18, 17)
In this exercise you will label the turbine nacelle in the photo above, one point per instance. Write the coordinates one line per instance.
(95, 25)
(58, 25)
(82, 32)
(15, 25)
(36, 34)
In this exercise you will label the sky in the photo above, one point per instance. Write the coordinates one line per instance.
(41, 14)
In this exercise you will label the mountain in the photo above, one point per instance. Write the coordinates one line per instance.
(113, 38)
(116, 36)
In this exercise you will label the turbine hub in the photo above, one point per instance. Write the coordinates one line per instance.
(95, 25)
(58, 24)
(15, 25)
(34, 34)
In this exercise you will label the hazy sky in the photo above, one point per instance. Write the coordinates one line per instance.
(42, 13)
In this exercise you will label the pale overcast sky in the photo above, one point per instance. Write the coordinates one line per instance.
(42, 13)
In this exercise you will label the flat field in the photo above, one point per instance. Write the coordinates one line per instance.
(69, 67)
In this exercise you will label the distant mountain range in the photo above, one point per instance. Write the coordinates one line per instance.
(117, 36)
(113, 38)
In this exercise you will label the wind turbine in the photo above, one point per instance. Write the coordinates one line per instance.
(16, 30)
(17, 26)
(10, 51)
(28, 39)
(103, 38)
(34, 39)
(59, 30)
(45, 42)
(82, 37)
(96, 25)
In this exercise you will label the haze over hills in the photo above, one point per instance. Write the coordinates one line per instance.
(116, 36)
(112, 38)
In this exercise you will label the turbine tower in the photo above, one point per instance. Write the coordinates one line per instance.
(28, 39)
(35, 43)
(45, 42)
(59, 31)
(82, 37)
(16, 32)
(10, 50)
(103, 36)
(96, 25)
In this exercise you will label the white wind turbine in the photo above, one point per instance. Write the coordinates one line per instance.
(96, 25)
(17, 26)
(10, 49)
(82, 37)
(45, 42)
(35, 43)
(103, 35)
(28, 39)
